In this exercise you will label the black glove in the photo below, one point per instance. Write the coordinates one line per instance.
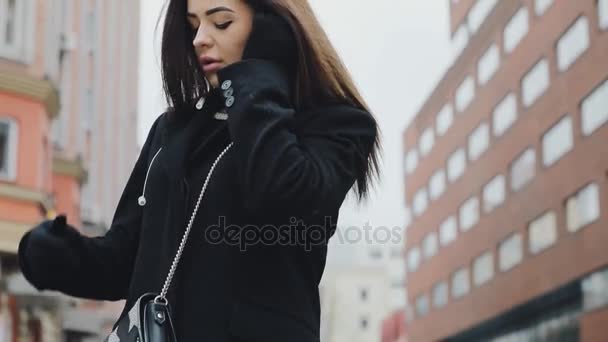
(271, 39)
(48, 250)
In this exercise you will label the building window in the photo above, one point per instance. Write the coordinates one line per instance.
(479, 141)
(437, 184)
(510, 252)
(465, 94)
(456, 165)
(440, 294)
(445, 119)
(427, 140)
(483, 269)
(413, 259)
(422, 306)
(523, 169)
(363, 295)
(494, 193)
(469, 214)
(594, 287)
(460, 40)
(516, 29)
(557, 141)
(8, 149)
(460, 283)
(504, 115)
(448, 231)
(364, 323)
(488, 64)
(421, 202)
(535, 82)
(479, 12)
(429, 245)
(12, 28)
(541, 6)
(583, 208)
(411, 161)
(573, 43)
(602, 13)
(594, 109)
(542, 232)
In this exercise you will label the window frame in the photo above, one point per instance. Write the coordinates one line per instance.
(444, 119)
(430, 245)
(574, 199)
(426, 142)
(509, 46)
(497, 181)
(565, 62)
(440, 289)
(594, 97)
(520, 257)
(462, 103)
(461, 273)
(477, 263)
(539, 225)
(480, 135)
(485, 73)
(516, 187)
(463, 209)
(444, 238)
(437, 184)
(14, 51)
(500, 108)
(10, 174)
(564, 120)
(458, 154)
(540, 68)
(602, 14)
(541, 10)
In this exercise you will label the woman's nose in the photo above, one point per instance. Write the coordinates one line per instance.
(202, 38)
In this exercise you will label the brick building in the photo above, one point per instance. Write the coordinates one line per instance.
(507, 178)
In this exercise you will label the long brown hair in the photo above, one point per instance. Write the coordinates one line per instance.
(321, 76)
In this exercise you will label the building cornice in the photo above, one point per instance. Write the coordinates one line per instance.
(40, 90)
(20, 193)
(71, 168)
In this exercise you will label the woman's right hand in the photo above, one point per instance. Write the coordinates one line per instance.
(49, 251)
(271, 39)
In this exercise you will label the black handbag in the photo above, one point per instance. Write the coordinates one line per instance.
(149, 319)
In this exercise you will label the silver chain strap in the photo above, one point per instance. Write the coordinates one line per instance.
(161, 298)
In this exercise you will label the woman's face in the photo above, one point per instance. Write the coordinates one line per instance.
(220, 29)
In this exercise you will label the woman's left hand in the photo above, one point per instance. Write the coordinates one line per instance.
(271, 39)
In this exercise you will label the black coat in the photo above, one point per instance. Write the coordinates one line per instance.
(282, 182)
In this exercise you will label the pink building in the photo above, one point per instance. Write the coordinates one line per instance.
(68, 104)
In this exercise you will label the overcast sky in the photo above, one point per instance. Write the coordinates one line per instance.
(396, 51)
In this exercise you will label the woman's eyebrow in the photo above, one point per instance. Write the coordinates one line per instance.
(218, 9)
(211, 11)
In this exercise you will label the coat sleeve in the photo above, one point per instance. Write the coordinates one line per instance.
(302, 169)
(100, 267)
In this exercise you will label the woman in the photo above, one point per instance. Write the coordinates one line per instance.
(263, 76)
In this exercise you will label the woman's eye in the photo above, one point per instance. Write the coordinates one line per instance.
(223, 26)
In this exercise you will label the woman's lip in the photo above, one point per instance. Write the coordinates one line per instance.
(210, 67)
